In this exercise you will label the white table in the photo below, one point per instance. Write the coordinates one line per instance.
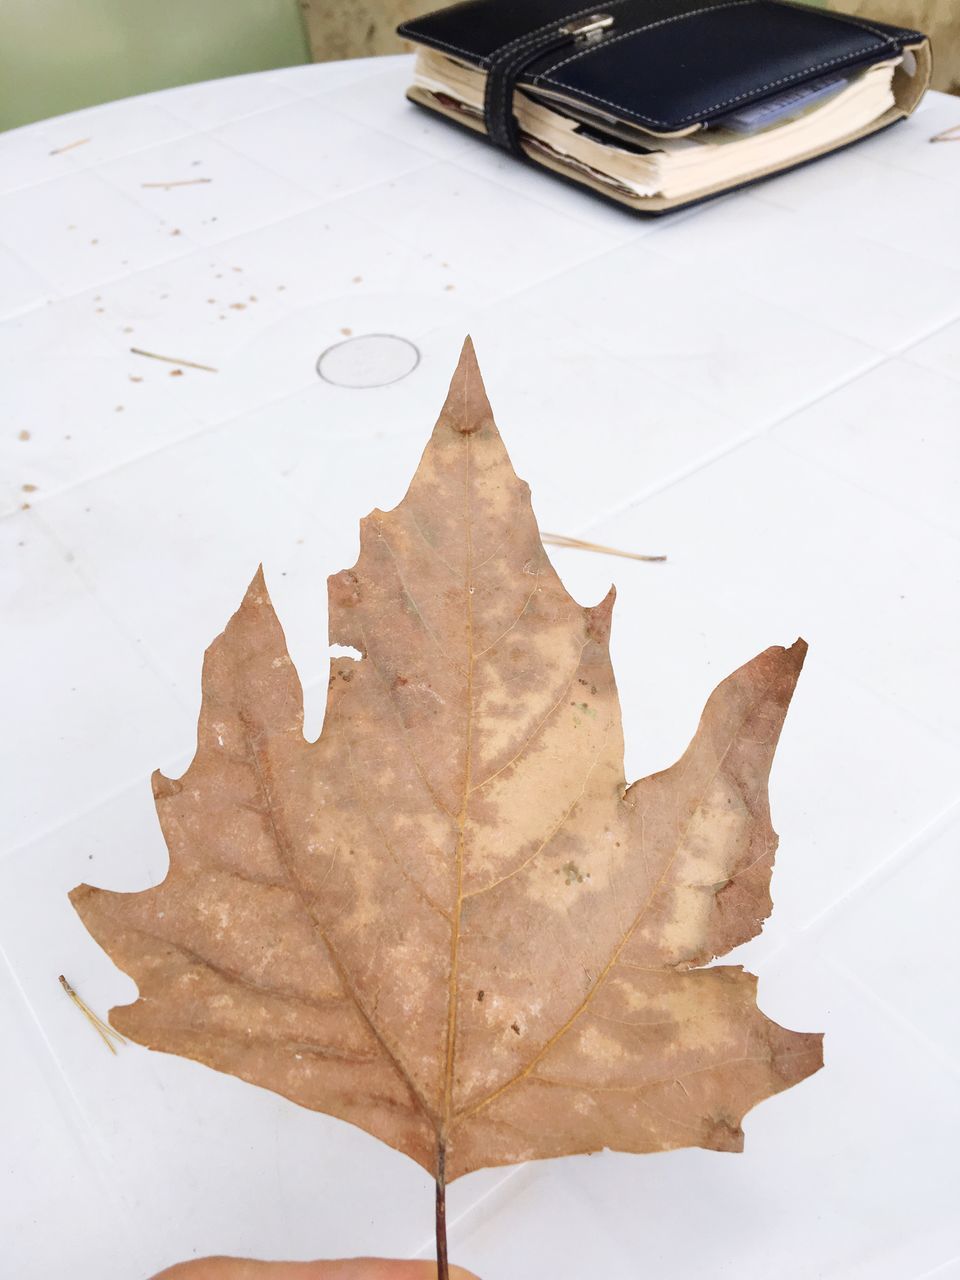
(767, 389)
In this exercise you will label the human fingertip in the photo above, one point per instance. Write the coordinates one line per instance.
(428, 1271)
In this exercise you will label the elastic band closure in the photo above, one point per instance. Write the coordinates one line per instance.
(506, 65)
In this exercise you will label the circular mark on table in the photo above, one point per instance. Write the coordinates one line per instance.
(370, 360)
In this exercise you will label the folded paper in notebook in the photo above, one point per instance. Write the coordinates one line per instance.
(659, 103)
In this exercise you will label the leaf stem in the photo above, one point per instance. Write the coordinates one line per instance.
(443, 1270)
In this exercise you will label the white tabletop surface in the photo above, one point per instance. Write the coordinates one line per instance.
(767, 389)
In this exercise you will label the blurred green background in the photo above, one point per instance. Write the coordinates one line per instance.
(57, 55)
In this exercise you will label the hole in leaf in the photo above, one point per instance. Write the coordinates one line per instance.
(345, 651)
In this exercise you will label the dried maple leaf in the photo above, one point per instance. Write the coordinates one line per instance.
(449, 920)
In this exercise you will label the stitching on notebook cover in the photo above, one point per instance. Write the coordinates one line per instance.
(854, 21)
(532, 36)
(519, 50)
(528, 37)
(626, 35)
(516, 52)
(727, 102)
(903, 33)
(797, 75)
(404, 30)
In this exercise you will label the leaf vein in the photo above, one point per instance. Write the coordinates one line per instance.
(556, 706)
(338, 964)
(602, 976)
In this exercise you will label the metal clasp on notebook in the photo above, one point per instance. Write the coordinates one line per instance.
(587, 28)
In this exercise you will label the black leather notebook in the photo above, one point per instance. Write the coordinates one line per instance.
(658, 103)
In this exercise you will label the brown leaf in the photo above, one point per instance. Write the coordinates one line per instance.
(449, 920)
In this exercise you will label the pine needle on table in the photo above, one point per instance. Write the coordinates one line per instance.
(58, 151)
(561, 540)
(189, 364)
(182, 182)
(103, 1029)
